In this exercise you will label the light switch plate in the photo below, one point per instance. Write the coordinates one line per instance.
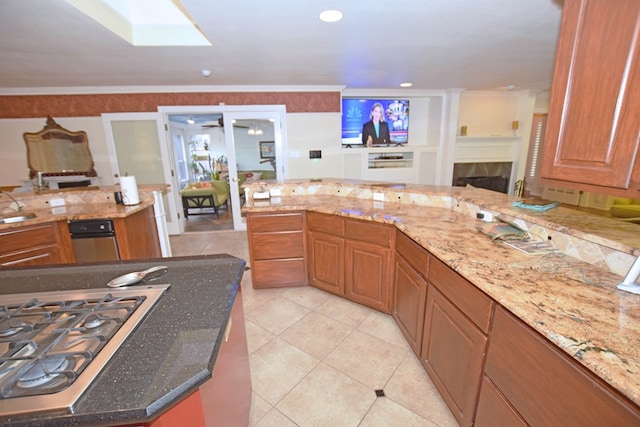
(378, 196)
(56, 202)
(275, 192)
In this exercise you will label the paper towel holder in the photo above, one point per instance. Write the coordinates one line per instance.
(129, 189)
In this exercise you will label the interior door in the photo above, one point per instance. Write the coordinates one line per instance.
(136, 147)
(254, 143)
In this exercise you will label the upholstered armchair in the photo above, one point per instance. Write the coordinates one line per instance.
(205, 195)
(626, 209)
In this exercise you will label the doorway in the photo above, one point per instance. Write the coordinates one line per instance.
(231, 143)
(134, 142)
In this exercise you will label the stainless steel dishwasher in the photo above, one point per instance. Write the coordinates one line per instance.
(94, 240)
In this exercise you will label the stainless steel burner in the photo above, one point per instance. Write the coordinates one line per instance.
(93, 321)
(53, 344)
(45, 372)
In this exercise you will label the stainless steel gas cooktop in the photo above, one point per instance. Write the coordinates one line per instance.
(53, 344)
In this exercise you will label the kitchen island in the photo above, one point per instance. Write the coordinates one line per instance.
(167, 358)
(561, 310)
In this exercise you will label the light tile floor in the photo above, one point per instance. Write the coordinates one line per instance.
(317, 359)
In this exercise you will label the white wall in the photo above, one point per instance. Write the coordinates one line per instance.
(488, 113)
(483, 112)
(314, 131)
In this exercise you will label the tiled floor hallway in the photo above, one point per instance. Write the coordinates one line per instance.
(317, 359)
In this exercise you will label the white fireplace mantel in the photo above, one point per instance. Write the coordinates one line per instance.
(474, 149)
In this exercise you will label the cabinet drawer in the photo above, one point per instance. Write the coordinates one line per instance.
(275, 273)
(532, 374)
(413, 253)
(276, 222)
(469, 299)
(330, 224)
(16, 239)
(41, 255)
(378, 234)
(277, 245)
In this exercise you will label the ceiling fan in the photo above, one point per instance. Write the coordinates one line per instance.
(220, 124)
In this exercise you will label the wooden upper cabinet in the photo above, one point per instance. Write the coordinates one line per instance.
(593, 131)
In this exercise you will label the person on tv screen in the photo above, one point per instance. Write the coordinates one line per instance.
(376, 130)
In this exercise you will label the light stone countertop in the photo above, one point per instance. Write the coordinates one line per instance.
(79, 204)
(573, 303)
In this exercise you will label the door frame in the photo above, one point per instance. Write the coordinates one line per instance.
(174, 225)
(242, 110)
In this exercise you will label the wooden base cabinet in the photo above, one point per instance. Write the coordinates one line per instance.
(351, 258)
(137, 235)
(494, 410)
(410, 290)
(325, 252)
(368, 264)
(40, 244)
(455, 338)
(276, 247)
(543, 385)
(453, 353)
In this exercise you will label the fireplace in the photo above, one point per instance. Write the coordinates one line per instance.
(489, 175)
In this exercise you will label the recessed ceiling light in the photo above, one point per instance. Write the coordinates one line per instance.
(190, 121)
(511, 87)
(406, 84)
(331, 16)
(206, 73)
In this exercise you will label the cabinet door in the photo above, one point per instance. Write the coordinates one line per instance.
(326, 262)
(494, 410)
(137, 235)
(535, 374)
(367, 278)
(410, 298)
(453, 350)
(593, 131)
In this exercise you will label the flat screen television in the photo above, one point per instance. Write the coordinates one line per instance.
(357, 111)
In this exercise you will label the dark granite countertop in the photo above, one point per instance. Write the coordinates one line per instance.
(168, 356)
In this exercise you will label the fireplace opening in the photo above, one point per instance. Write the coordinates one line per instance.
(489, 175)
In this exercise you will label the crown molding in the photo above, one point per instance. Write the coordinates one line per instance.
(78, 90)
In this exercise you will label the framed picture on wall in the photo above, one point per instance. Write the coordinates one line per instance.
(267, 149)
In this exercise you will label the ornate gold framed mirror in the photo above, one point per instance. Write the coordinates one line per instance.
(56, 151)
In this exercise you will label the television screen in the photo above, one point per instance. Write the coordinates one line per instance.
(356, 112)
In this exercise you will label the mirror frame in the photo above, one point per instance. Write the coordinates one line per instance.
(51, 131)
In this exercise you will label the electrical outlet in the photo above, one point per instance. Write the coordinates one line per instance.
(378, 196)
(56, 202)
(275, 192)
